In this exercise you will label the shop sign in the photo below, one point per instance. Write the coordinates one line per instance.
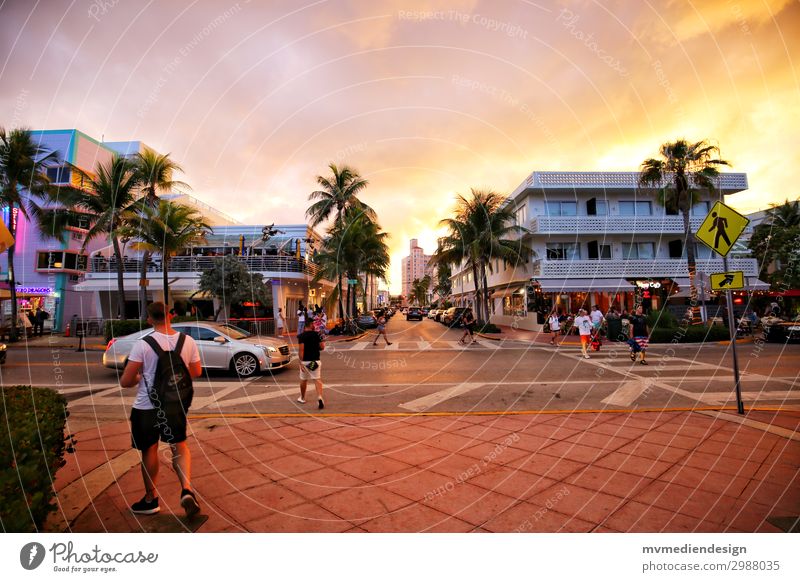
(35, 290)
(647, 284)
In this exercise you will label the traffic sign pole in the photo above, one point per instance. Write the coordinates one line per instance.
(732, 327)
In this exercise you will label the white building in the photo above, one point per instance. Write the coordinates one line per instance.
(415, 266)
(597, 238)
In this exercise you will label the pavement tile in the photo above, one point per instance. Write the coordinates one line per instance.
(234, 440)
(615, 430)
(599, 441)
(527, 518)
(688, 429)
(258, 502)
(778, 474)
(514, 424)
(470, 503)
(445, 423)
(259, 454)
(729, 466)
(624, 485)
(783, 497)
(671, 440)
(279, 433)
(306, 518)
(380, 442)
(415, 454)
(484, 432)
(710, 481)
(230, 481)
(116, 442)
(585, 504)
(453, 465)
(494, 453)
(750, 517)
(308, 442)
(371, 468)
(414, 433)
(709, 507)
(514, 483)
(653, 451)
(556, 433)
(573, 452)
(288, 466)
(321, 482)
(638, 517)
(348, 433)
(338, 453)
(415, 483)
(633, 465)
(416, 518)
(359, 505)
(555, 468)
(451, 442)
(733, 450)
(531, 442)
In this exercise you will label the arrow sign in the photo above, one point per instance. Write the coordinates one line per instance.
(727, 280)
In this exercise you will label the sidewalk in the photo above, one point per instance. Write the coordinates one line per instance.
(615, 472)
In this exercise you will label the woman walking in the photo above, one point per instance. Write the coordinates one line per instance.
(280, 322)
(382, 331)
(555, 326)
(468, 321)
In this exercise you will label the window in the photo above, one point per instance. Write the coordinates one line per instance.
(59, 175)
(701, 208)
(563, 251)
(595, 207)
(562, 208)
(61, 261)
(642, 250)
(635, 208)
(599, 251)
(521, 215)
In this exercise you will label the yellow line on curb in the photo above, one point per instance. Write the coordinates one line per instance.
(483, 413)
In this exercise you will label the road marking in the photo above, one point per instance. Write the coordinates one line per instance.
(204, 401)
(289, 393)
(432, 400)
(359, 346)
(722, 397)
(423, 346)
(394, 347)
(86, 388)
(626, 394)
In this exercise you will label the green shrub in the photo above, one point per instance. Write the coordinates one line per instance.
(661, 319)
(481, 327)
(32, 446)
(121, 327)
(692, 334)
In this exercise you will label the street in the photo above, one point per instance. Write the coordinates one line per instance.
(426, 370)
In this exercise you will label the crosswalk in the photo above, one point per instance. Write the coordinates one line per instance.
(428, 346)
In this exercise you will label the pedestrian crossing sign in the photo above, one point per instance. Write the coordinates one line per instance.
(721, 229)
(729, 280)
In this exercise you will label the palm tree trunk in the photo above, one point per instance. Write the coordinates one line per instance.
(142, 289)
(120, 279)
(339, 296)
(349, 310)
(476, 285)
(691, 265)
(12, 279)
(485, 293)
(165, 277)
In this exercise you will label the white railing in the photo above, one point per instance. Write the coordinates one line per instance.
(637, 268)
(613, 224)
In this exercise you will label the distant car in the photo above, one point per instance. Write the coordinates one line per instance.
(414, 313)
(221, 347)
(452, 317)
(3, 352)
(367, 321)
(432, 313)
(423, 311)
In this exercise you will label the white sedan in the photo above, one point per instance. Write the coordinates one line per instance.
(221, 346)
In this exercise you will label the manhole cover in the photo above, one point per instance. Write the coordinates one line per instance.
(787, 524)
(170, 523)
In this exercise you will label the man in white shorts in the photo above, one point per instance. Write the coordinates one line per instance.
(309, 348)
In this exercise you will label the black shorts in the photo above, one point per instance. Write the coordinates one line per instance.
(148, 426)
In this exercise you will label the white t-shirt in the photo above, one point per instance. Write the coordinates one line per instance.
(301, 315)
(142, 352)
(597, 316)
(279, 321)
(584, 324)
(555, 325)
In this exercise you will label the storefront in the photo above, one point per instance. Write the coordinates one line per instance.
(28, 300)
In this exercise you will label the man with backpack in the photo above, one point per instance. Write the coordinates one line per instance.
(162, 365)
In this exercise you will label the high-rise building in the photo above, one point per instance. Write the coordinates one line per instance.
(415, 266)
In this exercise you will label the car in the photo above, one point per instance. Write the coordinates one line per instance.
(367, 321)
(3, 352)
(432, 313)
(414, 313)
(452, 317)
(221, 346)
(423, 311)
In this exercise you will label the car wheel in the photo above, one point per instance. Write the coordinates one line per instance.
(245, 365)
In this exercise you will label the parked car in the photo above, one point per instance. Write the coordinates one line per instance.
(3, 352)
(432, 313)
(367, 321)
(423, 311)
(452, 317)
(221, 346)
(413, 313)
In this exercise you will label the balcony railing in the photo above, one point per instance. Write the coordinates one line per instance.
(264, 264)
(638, 268)
(596, 225)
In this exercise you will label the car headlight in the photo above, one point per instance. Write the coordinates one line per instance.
(269, 349)
(3, 347)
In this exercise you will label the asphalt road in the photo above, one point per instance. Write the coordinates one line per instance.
(425, 370)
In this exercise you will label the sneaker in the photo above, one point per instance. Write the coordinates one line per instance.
(144, 507)
(633, 356)
(643, 362)
(586, 356)
(301, 401)
(388, 343)
(189, 503)
(321, 404)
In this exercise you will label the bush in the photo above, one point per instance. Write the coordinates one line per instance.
(120, 327)
(661, 319)
(481, 327)
(692, 334)
(32, 449)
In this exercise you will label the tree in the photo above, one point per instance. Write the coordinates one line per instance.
(444, 286)
(338, 194)
(775, 244)
(419, 290)
(23, 164)
(166, 229)
(230, 282)
(154, 173)
(683, 169)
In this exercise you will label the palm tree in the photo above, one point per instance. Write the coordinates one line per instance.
(460, 247)
(419, 290)
(338, 194)
(786, 215)
(154, 173)
(683, 169)
(167, 229)
(22, 165)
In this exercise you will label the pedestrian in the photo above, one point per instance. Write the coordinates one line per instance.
(468, 321)
(689, 315)
(584, 324)
(301, 319)
(382, 330)
(38, 321)
(309, 348)
(640, 333)
(597, 318)
(151, 423)
(280, 322)
(555, 326)
(324, 317)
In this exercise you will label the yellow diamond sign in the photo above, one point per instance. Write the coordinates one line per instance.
(721, 228)
(729, 280)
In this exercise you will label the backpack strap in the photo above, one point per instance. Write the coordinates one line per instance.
(151, 341)
(179, 345)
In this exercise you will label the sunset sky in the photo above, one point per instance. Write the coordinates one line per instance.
(425, 99)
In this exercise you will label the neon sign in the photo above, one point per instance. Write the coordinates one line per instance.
(35, 290)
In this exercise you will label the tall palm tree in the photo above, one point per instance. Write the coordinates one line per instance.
(22, 165)
(154, 173)
(683, 169)
(459, 247)
(419, 290)
(338, 193)
(784, 215)
(167, 229)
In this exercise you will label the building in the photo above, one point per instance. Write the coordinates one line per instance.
(597, 238)
(415, 266)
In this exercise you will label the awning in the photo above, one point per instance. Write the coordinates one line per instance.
(585, 285)
(91, 285)
(507, 292)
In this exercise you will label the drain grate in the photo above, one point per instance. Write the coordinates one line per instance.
(787, 524)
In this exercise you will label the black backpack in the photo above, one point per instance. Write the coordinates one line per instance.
(172, 388)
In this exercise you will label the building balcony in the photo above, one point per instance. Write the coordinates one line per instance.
(596, 225)
(269, 264)
(600, 269)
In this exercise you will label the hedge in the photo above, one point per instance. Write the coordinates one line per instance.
(693, 334)
(32, 447)
(121, 327)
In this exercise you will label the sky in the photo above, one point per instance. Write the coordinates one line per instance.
(425, 99)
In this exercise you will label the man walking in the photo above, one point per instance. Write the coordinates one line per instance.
(584, 324)
(310, 345)
(597, 318)
(640, 333)
(150, 424)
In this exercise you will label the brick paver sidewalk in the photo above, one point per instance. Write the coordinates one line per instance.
(652, 472)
